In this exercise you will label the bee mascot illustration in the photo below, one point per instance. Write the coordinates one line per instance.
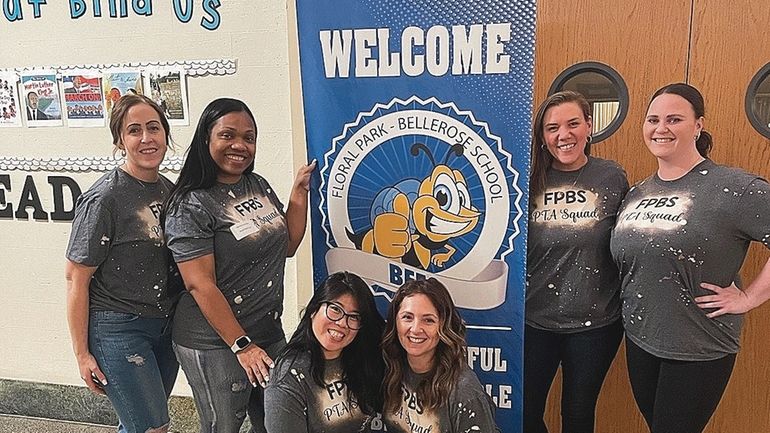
(414, 220)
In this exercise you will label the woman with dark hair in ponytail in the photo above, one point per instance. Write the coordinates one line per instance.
(328, 378)
(572, 310)
(680, 240)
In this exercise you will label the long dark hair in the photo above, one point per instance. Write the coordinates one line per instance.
(450, 358)
(705, 142)
(541, 157)
(199, 170)
(362, 363)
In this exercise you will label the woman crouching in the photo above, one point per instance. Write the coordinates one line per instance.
(428, 384)
(329, 376)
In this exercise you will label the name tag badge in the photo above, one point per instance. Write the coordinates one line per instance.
(243, 229)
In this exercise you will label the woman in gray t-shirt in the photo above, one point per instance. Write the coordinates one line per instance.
(572, 309)
(121, 282)
(680, 239)
(230, 236)
(328, 378)
(428, 384)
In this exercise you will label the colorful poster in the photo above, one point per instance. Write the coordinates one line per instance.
(169, 90)
(83, 99)
(41, 97)
(419, 116)
(117, 83)
(10, 114)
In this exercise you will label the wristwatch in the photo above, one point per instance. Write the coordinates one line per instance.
(240, 343)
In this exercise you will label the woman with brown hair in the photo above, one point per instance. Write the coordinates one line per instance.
(572, 309)
(680, 240)
(122, 285)
(428, 384)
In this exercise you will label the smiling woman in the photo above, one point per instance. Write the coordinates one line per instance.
(230, 235)
(328, 379)
(121, 285)
(428, 384)
(680, 240)
(572, 310)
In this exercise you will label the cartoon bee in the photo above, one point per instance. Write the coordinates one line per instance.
(414, 220)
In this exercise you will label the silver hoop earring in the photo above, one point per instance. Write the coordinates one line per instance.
(697, 136)
(589, 139)
(542, 146)
(123, 153)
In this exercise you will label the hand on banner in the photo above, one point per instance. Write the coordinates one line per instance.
(302, 180)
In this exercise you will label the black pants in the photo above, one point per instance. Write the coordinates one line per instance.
(676, 396)
(585, 358)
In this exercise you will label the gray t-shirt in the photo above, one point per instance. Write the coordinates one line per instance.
(295, 403)
(244, 226)
(572, 282)
(467, 409)
(670, 237)
(117, 230)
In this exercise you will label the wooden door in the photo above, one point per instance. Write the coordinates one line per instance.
(718, 49)
(730, 44)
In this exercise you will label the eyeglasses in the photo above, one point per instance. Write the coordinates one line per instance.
(335, 313)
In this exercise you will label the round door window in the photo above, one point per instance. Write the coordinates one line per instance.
(604, 89)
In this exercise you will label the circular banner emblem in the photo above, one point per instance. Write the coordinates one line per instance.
(424, 185)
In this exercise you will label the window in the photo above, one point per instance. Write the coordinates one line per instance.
(604, 89)
(758, 101)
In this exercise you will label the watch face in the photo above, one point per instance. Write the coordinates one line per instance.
(242, 342)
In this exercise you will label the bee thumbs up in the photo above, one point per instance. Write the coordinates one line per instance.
(401, 205)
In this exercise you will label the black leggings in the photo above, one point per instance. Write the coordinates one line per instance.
(676, 396)
(585, 358)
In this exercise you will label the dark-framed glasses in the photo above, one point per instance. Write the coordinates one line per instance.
(335, 313)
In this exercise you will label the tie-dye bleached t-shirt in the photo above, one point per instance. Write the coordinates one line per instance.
(572, 282)
(295, 403)
(244, 227)
(117, 230)
(467, 409)
(671, 236)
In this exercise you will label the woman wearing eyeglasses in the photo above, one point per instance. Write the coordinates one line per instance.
(329, 376)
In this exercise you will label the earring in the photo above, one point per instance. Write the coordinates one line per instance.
(542, 146)
(589, 139)
(697, 136)
(123, 153)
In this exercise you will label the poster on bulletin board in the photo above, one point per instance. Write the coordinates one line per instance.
(421, 111)
(83, 99)
(40, 91)
(10, 115)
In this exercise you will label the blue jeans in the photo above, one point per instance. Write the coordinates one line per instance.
(221, 389)
(135, 354)
(585, 358)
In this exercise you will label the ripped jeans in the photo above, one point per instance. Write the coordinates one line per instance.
(136, 356)
(222, 392)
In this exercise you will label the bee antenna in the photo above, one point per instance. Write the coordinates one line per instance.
(457, 149)
(416, 147)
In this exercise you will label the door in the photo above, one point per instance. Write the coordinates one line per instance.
(729, 46)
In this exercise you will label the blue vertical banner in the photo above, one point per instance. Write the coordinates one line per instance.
(418, 113)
